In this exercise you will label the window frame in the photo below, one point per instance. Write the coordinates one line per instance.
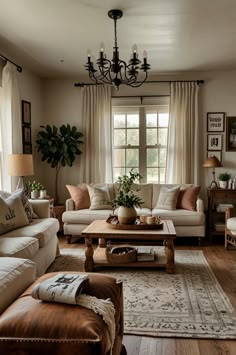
(142, 147)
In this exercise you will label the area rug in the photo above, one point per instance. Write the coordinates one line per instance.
(187, 304)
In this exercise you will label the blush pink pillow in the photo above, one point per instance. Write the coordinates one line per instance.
(187, 198)
(79, 195)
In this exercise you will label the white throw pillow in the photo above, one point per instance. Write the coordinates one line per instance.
(99, 197)
(168, 198)
(12, 214)
(145, 193)
(24, 195)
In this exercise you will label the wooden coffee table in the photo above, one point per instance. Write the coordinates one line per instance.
(101, 230)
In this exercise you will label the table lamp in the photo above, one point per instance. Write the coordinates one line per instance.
(213, 163)
(20, 165)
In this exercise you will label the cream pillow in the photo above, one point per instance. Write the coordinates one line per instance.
(99, 197)
(23, 194)
(12, 214)
(168, 198)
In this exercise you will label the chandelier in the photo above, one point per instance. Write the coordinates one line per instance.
(116, 71)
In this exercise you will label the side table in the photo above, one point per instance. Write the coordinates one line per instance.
(57, 213)
(215, 217)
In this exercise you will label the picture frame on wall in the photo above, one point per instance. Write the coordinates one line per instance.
(214, 142)
(230, 141)
(26, 135)
(216, 153)
(26, 112)
(215, 121)
(27, 148)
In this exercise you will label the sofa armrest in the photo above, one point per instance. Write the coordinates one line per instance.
(70, 205)
(41, 208)
(200, 205)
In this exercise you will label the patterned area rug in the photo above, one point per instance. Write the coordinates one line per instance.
(187, 304)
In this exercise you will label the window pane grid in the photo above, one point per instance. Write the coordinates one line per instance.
(140, 142)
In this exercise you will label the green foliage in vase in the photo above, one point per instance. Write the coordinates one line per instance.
(224, 176)
(125, 195)
(59, 146)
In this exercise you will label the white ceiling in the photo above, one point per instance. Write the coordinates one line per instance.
(178, 35)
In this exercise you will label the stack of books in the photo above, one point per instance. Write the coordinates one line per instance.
(145, 254)
(223, 206)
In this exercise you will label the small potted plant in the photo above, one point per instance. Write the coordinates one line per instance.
(223, 179)
(35, 188)
(126, 199)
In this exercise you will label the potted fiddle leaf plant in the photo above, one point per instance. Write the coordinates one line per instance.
(126, 199)
(59, 147)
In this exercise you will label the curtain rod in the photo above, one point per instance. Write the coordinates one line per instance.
(149, 82)
(19, 68)
(140, 96)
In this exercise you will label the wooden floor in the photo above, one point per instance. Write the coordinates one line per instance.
(223, 264)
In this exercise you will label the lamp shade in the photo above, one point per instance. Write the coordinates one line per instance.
(20, 165)
(212, 162)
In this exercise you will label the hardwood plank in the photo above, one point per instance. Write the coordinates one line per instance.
(187, 347)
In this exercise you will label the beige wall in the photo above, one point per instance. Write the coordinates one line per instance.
(58, 101)
(30, 89)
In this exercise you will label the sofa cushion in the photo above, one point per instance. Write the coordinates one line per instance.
(15, 276)
(181, 217)
(168, 198)
(19, 247)
(12, 214)
(144, 191)
(85, 216)
(231, 224)
(99, 196)
(41, 229)
(187, 198)
(156, 189)
(79, 195)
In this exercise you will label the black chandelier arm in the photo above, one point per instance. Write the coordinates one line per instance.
(137, 84)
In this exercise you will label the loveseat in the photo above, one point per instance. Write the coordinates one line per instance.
(187, 213)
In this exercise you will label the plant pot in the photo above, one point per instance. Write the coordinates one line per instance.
(223, 184)
(126, 215)
(43, 193)
(34, 194)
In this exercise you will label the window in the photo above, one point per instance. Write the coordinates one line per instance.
(140, 141)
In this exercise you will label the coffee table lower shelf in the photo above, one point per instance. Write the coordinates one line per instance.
(100, 260)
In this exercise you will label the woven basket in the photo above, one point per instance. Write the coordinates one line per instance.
(121, 254)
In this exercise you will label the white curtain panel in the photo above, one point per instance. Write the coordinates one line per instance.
(11, 135)
(96, 159)
(183, 136)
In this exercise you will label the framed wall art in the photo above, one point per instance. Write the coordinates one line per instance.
(230, 141)
(214, 142)
(215, 121)
(216, 153)
(27, 148)
(26, 134)
(26, 112)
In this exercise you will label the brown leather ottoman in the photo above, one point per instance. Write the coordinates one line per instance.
(31, 326)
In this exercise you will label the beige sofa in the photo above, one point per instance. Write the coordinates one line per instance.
(26, 253)
(36, 241)
(187, 223)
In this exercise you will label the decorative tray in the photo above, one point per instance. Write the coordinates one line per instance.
(115, 224)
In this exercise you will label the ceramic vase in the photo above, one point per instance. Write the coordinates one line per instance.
(43, 193)
(126, 215)
(223, 184)
(34, 194)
